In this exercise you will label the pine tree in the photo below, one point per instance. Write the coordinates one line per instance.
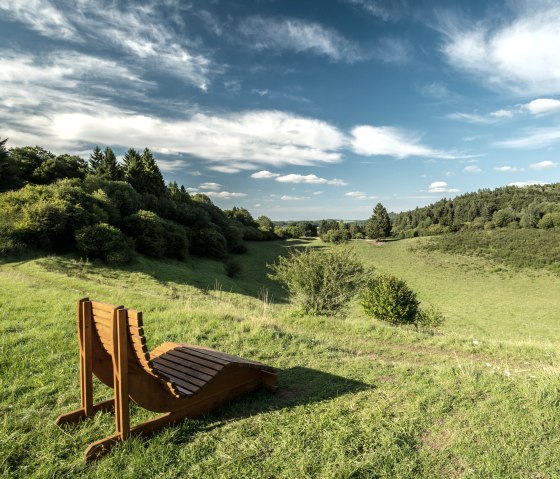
(379, 225)
(132, 168)
(95, 160)
(152, 178)
(109, 168)
(9, 178)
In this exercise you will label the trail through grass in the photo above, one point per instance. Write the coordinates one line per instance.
(357, 398)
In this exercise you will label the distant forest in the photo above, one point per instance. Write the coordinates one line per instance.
(109, 210)
(534, 206)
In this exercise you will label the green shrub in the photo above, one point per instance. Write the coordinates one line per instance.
(208, 242)
(148, 231)
(321, 281)
(337, 236)
(549, 220)
(232, 268)
(104, 242)
(388, 298)
(429, 318)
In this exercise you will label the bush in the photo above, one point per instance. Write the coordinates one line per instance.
(321, 281)
(232, 268)
(388, 298)
(208, 242)
(337, 236)
(148, 231)
(429, 318)
(104, 242)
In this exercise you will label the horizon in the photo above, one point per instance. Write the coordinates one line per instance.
(289, 110)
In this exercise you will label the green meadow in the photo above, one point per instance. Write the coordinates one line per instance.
(357, 398)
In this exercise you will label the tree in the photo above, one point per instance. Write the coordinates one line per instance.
(62, 166)
(28, 159)
(265, 223)
(109, 168)
(152, 178)
(327, 225)
(9, 178)
(379, 225)
(132, 168)
(95, 160)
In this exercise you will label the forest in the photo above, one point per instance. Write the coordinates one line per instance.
(109, 210)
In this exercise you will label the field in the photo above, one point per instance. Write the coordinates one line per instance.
(357, 398)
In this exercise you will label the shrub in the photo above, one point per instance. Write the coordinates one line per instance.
(337, 236)
(104, 242)
(208, 242)
(321, 281)
(429, 318)
(232, 268)
(388, 298)
(148, 231)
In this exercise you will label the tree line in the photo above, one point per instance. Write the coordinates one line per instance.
(109, 210)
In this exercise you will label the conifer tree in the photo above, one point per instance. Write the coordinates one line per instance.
(152, 178)
(95, 160)
(109, 168)
(132, 168)
(379, 225)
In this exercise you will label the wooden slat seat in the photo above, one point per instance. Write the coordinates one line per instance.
(181, 380)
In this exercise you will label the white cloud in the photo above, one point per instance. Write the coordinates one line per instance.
(384, 140)
(441, 187)
(309, 179)
(224, 194)
(520, 55)
(472, 169)
(521, 184)
(293, 198)
(170, 165)
(41, 16)
(472, 118)
(300, 36)
(192, 190)
(436, 91)
(264, 174)
(508, 169)
(544, 165)
(502, 113)
(315, 193)
(384, 10)
(543, 106)
(532, 138)
(137, 31)
(210, 186)
(359, 195)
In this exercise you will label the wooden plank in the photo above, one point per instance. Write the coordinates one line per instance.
(87, 373)
(187, 356)
(181, 372)
(180, 366)
(102, 314)
(168, 374)
(202, 355)
(225, 356)
(104, 306)
(195, 366)
(123, 425)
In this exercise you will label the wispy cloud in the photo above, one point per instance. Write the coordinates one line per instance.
(359, 195)
(264, 174)
(388, 11)
(544, 165)
(384, 140)
(224, 194)
(293, 198)
(507, 169)
(136, 30)
(441, 187)
(473, 118)
(300, 36)
(520, 55)
(210, 186)
(532, 138)
(472, 169)
(309, 179)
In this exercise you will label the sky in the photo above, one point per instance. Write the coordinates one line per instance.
(294, 109)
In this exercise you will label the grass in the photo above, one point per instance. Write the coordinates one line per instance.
(357, 398)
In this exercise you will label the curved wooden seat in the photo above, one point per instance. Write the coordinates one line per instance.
(182, 380)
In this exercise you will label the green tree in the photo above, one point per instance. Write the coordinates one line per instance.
(132, 168)
(152, 178)
(109, 168)
(9, 178)
(95, 160)
(379, 225)
(265, 223)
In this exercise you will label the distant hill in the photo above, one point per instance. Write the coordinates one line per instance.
(535, 206)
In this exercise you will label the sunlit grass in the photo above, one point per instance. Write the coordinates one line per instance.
(357, 398)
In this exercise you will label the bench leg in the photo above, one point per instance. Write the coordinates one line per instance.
(80, 414)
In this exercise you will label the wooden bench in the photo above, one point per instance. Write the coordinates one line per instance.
(180, 380)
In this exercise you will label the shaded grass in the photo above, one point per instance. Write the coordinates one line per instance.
(357, 398)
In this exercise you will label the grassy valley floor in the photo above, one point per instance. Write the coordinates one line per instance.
(357, 398)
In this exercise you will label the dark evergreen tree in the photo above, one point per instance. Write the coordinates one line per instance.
(95, 160)
(9, 178)
(152, 179)
(109, 167)
(132, 169)
(379, 225)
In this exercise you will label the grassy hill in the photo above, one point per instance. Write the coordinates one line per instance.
(357, 398)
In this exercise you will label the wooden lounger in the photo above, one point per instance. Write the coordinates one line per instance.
(181, 380)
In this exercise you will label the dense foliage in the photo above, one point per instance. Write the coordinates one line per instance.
(379, 225)
(105, 210)
(520, 248)
(389, 299)
(321, 281)
(507, 207)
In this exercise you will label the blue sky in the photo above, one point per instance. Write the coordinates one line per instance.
(301, 109)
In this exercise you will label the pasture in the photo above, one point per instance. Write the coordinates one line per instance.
(357, 398)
